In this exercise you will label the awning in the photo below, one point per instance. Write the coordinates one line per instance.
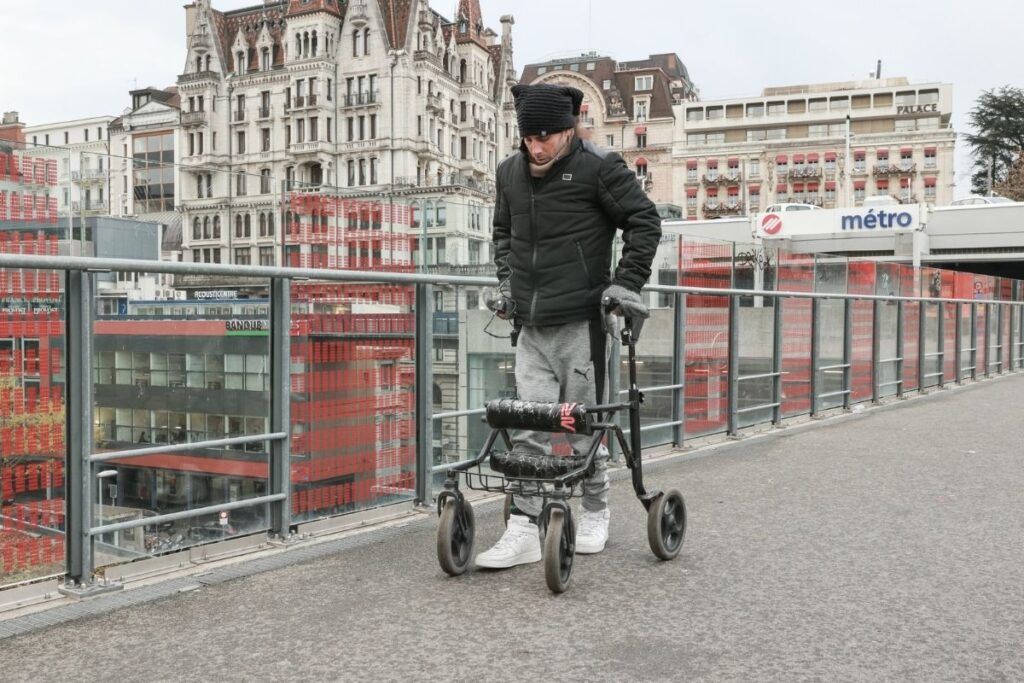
(640, 130)
(641, 161)
(859, 154)
(734, 161)
(882, 183)
(691, 163)
(584, 108)
(929, 181)
(754, 189)
(812, 187)
(904, 182)
(691, 192)
(782, 187)
(798, 187)
(711, 191)
(711, 163)
(830, 156)
(781, 159)
(812, 158)
(734, 189)
(830, 185)
(798, 158)
(929, 150)
(906, 150)
(858, 184)
(882, 154)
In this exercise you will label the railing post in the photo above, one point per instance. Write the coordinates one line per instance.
(974, 341)
(678, 369)
(900, 351)
(1001, 337)
(777, 361)
(815, 350)
(78, 330)
(733, 371)
(280, 405)
(940, 347)
(988, 338)
(1011, 311)
(958, 343)
(424, 393)
(847, 352)
(876, 350)
(613, 382)
(921, 337)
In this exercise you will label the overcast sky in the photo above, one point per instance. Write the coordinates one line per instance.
(68, 59)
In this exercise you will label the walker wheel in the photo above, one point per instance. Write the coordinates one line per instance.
(666, 524)
(455, 537)
(559, 547)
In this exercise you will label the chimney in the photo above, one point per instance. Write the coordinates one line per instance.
(10, 117)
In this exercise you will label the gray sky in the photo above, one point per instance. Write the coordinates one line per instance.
(67, 59)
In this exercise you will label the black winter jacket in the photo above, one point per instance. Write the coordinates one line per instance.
(553, 236)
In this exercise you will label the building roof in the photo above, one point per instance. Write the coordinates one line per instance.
(396, 14)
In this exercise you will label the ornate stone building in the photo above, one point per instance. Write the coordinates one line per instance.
(383, 104)
(628, 107)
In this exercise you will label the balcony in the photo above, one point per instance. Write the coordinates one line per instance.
(304, 101)
(357, 15)
(719, 210)
(263, 113)
(435, 103)
(801, 172)
(197, 77)
(88, 175)
(426, 56)
(311, 147)
(90, 208)
(427, 149)
(361, 99)
(193, 118)
(885, 170)
(238, 116)
(360, 145)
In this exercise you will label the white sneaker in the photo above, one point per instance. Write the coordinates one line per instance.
(592, 533)
(520, 544)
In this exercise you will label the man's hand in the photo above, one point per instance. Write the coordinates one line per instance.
(629, 303)
(502, 306)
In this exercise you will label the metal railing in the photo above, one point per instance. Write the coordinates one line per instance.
(830, 381)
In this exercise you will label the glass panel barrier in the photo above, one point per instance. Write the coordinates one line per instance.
(796, 274)
(33, 220)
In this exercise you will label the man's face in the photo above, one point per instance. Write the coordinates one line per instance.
(544, 148)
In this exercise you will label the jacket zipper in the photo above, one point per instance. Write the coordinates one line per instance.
(586, 270)
(533, 239)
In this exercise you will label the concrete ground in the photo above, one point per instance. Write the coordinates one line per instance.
(887, 544)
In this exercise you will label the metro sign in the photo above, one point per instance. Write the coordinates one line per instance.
(771, 223)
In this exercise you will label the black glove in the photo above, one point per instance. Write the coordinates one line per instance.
(629, 303)
(502, 306)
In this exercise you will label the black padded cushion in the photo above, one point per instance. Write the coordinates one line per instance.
(530, 466)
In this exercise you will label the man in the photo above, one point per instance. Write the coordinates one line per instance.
(559, 202)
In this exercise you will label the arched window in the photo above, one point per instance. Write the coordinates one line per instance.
(240, 62)
(199, 63)
(442, 213)
(641, 168)
(207, 62)
(428, 214)
(238, 225)
(216, 227)
(366, 41)
(313, 44)
(355, 43)
(248, 226)
(270, 225)
(206, 228)
(298, 45)
(414, 210)
(462, 71)
(195, 228)
(437, 395)
(305, 44)
(263, 225)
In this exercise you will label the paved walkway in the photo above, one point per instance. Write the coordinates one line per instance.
(883, 545)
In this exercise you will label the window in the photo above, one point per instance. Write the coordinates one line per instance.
(696, 114)
(929, 158)
(776, 108)
(591, 66)
(817, 104)
(754, 167)
(715, 112)
(643, 83)
(266, 256)
(265, 181)
(264, 139)
(839, 103)
(756, 135)
(696, 138)
(610, 140)
(240, 184)
(240, 139)
(243, 256)
(606, 84)
(196, 228)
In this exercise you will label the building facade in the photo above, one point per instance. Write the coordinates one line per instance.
(628, 107)
(794, 144)
(384, 105)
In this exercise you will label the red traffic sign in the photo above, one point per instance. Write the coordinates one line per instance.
(771, 223)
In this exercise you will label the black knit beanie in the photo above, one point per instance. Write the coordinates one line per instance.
(543, 108)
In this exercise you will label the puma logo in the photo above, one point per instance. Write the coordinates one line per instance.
(582, 373)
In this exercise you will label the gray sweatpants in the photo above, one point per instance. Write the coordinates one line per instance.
(554, 364)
